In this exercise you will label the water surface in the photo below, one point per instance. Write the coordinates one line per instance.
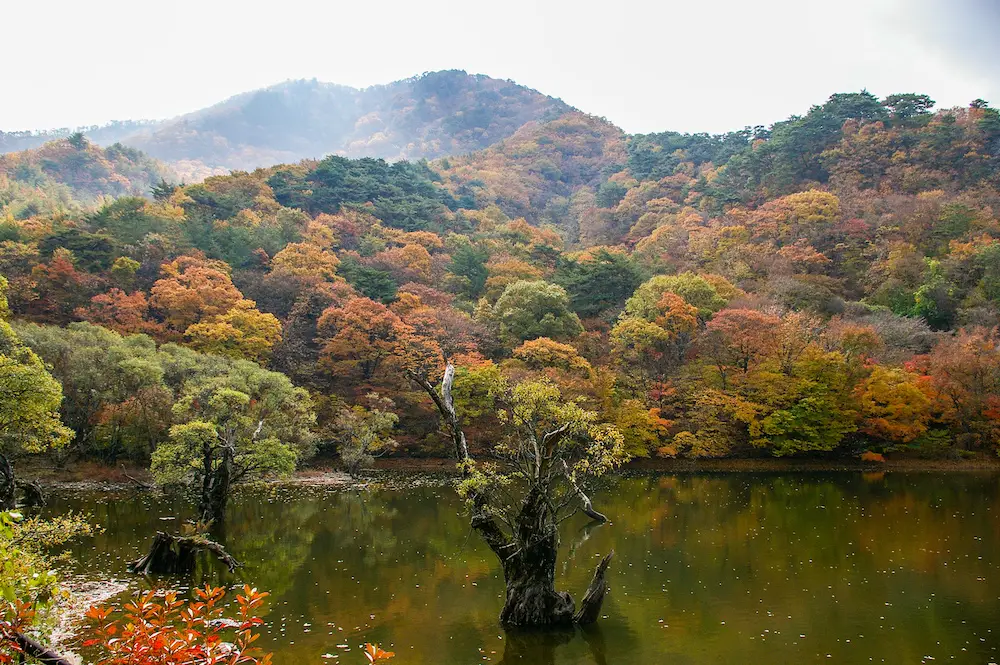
(727, 568)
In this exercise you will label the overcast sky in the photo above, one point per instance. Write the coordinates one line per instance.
(698, 65)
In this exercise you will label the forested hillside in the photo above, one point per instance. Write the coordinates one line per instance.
(828, 284)
(72, 173)
(546, 172)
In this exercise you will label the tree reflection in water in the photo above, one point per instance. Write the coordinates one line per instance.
(708, 568)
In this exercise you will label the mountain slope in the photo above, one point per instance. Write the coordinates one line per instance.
(71, 172)
(436, 114)
(546, 172)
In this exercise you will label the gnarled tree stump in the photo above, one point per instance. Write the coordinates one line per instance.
(31, 493)
(171, 555)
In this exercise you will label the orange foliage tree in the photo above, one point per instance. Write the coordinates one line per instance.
(738, 338)
(893, 405)
(964, 374)
(192, 289)
(360, 337)
(125, 313)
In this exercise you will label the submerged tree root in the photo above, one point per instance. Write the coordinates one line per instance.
(178, 554)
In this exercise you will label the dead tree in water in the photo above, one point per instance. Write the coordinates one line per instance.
(517, 510)
(171, 555)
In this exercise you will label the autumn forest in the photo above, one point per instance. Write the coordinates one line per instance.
(826, 287)
(830, 283)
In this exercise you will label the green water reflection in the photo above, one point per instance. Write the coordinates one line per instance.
(738, 568)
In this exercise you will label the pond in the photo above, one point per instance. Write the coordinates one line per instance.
(724, 568)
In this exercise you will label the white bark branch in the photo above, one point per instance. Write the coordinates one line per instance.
(588, 506)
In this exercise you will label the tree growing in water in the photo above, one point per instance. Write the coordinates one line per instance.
(244, 426)
(551, 447)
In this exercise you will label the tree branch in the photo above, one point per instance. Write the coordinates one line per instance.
(482, 520)
(140, 484)
(37, 651)
(588, 507)
(551, 439)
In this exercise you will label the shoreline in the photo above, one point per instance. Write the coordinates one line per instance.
(979, 464)
(91, 475)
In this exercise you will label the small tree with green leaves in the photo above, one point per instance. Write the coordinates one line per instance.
(531, 309)
(365, 432)
(247, 425)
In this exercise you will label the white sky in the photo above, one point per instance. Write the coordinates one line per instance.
(698, 65)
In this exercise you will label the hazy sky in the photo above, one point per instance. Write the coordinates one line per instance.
(698, 65)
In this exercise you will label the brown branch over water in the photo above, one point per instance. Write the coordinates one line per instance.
(37, 651)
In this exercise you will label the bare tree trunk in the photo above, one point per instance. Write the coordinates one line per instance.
(216, 486)
(8, 486)
(530, 573)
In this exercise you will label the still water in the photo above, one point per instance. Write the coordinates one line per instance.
(728, 568)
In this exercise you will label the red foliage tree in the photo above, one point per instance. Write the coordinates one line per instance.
(170, 631)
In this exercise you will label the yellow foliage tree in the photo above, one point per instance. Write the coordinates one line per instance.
(242, 332)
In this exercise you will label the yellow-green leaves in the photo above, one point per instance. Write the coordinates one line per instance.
(29, 399)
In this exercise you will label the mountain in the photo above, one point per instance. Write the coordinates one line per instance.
(427, 116)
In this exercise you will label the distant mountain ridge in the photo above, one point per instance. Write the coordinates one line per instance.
(428, 116)
(112, 132)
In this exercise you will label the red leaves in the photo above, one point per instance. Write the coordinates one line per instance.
(15, 617)
(374, 653)
(170, 631)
